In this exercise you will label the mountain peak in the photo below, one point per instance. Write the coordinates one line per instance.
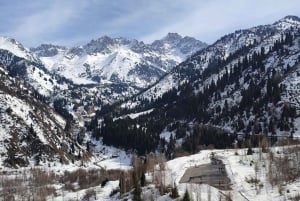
(8, 39)
(11, 41)
(15, 47)
(48, 50)
(172, 37)
(291, 19)
(102, 39)
(105, 43)
(175, 42)
(107, 40)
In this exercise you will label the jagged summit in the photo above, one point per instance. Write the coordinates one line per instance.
(48, 50)
(172, 37)
(175, 42)
(15, 47)
(107, 44)
(118, 59)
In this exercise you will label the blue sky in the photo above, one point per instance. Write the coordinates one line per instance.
(75, 22)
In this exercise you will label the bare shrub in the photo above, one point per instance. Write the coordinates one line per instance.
(264, 144)
(252, 180)
(41, 177)
(70, 187)
(160, 174)
(9, 188)
(295, 197)
(88, 178)
(288, 141)
(280, 189)
(284, 168)
(126, 182)
(89, 194)
(27, 188)
(114, 192)
(229, 197)
(41, 194)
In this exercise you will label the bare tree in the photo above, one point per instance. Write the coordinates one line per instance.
(256, 169)
(160, 173)
(208, 193)
(229, 197)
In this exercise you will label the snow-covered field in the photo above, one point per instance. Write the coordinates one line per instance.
(240, 168)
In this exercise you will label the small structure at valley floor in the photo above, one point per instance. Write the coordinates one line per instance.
(213, 174)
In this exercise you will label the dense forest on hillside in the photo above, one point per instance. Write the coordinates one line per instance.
(192, 103)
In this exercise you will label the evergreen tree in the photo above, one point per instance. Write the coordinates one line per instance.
(186, 196)
(122, 183)
(137, 193)
(137, 187)
(143, 179)
(249, 151)
(174, 193)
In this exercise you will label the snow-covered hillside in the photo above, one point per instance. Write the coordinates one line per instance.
(208, 66)
(244, 84)
(252, 177)
(241, 168)
(229, 45)
(31, 131)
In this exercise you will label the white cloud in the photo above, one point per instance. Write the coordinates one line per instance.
(208, 20)
(78, 21)
(46, 21)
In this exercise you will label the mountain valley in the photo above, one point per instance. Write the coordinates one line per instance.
(119, 119)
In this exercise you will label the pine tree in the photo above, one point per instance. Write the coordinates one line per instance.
(174, 193)
(143, 179)
(249, 151)
(186, 196)
(122, 183)
(137, 187)
(137, 193)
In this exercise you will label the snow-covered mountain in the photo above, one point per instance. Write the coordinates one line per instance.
(118, 60)
(43, 103)
(243, 90)
(101, 72)
(210, 84)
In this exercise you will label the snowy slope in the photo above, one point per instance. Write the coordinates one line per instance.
(31, 131)
(16, 48)
(228, 85)
(261, 36)
(31, 71)
(239, 168)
